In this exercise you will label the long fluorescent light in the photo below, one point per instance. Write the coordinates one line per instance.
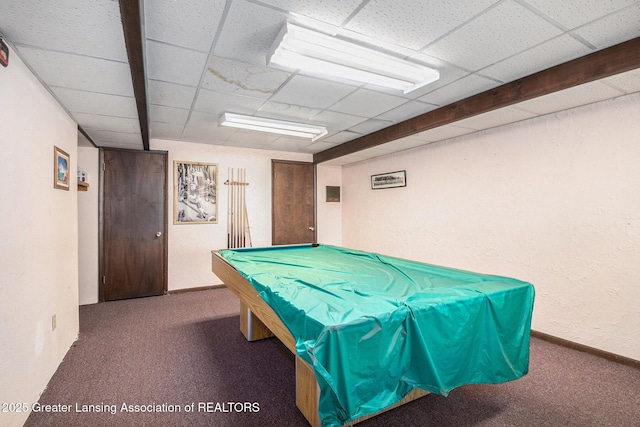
(317, 53)
(299, 130)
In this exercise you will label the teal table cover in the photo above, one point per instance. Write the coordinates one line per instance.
(375, 327)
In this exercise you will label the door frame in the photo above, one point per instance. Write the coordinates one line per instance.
(165, 216)
(315, 196)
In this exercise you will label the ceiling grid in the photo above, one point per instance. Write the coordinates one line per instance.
(204, 58)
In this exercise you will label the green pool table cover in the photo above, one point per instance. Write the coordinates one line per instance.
(375, 327)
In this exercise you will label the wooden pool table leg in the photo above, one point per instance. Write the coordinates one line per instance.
(251, 327)
(307, 389)
(307, 392)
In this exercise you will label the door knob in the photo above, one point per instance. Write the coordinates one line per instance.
(312, 229)
(159, 234)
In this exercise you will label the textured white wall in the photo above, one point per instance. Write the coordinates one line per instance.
(38, 239)
(190, 245)
(88, 159)
(553, 200)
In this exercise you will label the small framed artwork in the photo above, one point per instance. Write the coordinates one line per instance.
(61, 165)
(195, 199)
(389, 180)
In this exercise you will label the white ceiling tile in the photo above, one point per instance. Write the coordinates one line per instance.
(170, 94)
(203, 127)
(188, 23)
(628, 82)
(115, 124)
(295, 113)
(372, 41)
(251, 139)
(71, 26)
(407, 111)
(461, 89)
(165, 131)
(546, 55)
(321, 145)
(289, 144)
(336, 121)
(413, 23)
(341, 137)
(79, 72)
(217, 103)
(448, 74)
(174, 64)
(573, 13)
(495, 118)
(367, 103)
(168, 115)
(229, 76)
(334, 12)
(569, 98)
(103, 136)
(613, 29)
(79, 101)
(505, 30)
(370, 126)
(311, 93)
(248, 32)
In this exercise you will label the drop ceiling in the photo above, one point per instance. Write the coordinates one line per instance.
(206, 57)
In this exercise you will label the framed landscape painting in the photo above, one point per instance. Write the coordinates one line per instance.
(61, 165)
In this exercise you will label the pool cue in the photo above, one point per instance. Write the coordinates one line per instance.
(233, 207)
(248, 228)
(228, 210)
(242, 240)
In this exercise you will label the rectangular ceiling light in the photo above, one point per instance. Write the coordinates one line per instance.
(298, 48)
(299, 130)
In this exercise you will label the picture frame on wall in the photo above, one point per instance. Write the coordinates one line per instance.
(389, 180)
(195, 198)
(61, 166)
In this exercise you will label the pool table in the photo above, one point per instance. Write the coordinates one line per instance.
(372, 332)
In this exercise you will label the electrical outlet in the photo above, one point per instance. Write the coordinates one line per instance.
(53, 323)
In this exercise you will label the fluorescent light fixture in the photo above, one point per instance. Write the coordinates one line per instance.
(299, 130)
(317, 53)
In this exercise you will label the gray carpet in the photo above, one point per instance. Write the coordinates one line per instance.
(168, 353)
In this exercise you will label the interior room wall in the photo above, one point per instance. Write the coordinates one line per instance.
(553, 200)
(38, 240)
(190, 245)
(329, 214)
(88, 159)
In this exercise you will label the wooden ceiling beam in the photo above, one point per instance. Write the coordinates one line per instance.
(132, 26)
(598, 65)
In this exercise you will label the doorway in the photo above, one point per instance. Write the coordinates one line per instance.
(293, 202)
(133, 224)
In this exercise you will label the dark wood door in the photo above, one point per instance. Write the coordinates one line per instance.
(134, 218)
(293, 202)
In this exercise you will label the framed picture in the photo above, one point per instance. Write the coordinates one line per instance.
(389, 180)
(61, 165)
(195, 195)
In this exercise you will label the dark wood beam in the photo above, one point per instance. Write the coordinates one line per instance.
(131, 24)
(598, 65)
(86, 135)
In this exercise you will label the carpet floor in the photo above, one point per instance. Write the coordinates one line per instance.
(180, 360)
